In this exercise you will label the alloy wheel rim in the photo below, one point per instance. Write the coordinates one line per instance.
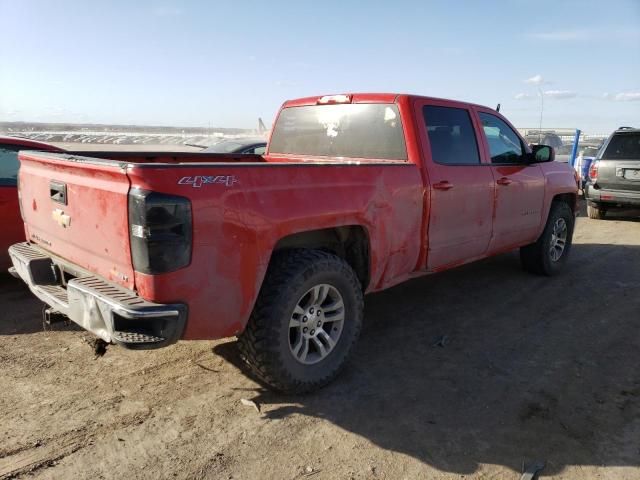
(558, 239)
(316, 324)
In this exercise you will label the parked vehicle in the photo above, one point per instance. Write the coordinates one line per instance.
(356, 193)
(12, 225)
(583, 161)
(255, 145)
(614, 175)
(550, 138)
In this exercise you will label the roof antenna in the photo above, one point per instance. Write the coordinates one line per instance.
(498, 108)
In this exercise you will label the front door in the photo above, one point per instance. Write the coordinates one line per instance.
(461, 187)
(520, 185)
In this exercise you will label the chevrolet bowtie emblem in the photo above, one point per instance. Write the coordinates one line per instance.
(61, 218)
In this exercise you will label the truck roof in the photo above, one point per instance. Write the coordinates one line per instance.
(367, 98)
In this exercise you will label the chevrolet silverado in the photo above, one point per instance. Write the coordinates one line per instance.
(356, 193)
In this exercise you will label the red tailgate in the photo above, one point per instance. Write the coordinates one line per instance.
(76, 208)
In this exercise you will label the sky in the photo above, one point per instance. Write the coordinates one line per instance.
(224, 64)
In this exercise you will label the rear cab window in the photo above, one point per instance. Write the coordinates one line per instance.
(358, 130)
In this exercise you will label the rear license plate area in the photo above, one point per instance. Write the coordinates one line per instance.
(632, 174)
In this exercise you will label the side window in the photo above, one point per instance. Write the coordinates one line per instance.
(8, 167)
(451, 136)
(505, 146)
(260, 150)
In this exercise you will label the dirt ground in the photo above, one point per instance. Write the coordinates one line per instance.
(471, 373)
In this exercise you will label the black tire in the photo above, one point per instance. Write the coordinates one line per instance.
(596, 212)
(537, 257)
(265, 345)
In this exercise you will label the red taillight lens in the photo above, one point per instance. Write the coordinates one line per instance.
(593, 171)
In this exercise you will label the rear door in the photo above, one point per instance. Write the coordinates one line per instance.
(461, 187)
(619, 165)
(519, 186)
(76, 208)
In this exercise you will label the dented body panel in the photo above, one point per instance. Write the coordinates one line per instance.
(243, 208)
(236, 229)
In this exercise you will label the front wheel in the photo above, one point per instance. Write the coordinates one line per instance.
(549, 253)
(306, 320)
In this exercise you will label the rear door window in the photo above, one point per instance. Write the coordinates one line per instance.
(451, 136)
(8, 167)
(623, 146)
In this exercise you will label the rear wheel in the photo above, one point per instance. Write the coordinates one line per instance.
(549, 253)
(596, 212)
(307, 318)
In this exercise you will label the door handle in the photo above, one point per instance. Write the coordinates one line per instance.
(504, 181)
(444, 185)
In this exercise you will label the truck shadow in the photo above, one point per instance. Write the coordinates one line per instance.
(487, 364)
(629, 215)
(21, 310)
(624, 215)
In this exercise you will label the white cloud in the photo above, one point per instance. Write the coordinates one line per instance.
(167, 11)
(535, 80)
(286, 83)
(609, 32)
(524, 96)
(562, 35)
(623, 96)
(560, 94)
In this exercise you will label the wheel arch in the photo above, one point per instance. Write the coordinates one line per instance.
(570, 199)
(349, 242)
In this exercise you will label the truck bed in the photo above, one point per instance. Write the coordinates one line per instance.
(161, 157)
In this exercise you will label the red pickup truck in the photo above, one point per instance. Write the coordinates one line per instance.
(355, 194)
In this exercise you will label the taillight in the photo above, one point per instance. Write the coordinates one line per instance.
(160, 230)
(593, 171)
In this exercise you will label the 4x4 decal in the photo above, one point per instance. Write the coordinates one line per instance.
(198, 180)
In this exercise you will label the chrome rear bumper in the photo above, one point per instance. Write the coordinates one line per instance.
(109, 311)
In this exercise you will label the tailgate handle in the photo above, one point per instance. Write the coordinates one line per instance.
(58, 192)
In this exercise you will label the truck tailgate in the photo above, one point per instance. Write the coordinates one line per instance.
(76, 208)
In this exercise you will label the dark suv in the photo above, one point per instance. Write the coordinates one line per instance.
(614, 176)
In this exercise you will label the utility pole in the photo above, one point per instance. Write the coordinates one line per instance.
(541, 110)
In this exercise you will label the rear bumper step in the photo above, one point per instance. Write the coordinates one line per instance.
(109, 311)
